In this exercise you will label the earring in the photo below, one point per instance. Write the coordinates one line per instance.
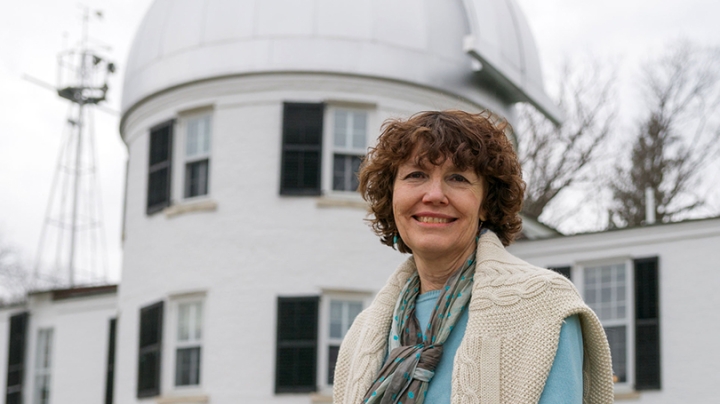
(395, 239)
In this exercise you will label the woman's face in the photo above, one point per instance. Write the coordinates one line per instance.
(437, 208)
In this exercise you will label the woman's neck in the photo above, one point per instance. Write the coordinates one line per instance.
(435, 271)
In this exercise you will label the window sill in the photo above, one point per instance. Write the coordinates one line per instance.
(319, 398)
(627, 395)
(352, 201)
(204, 205)
(203, 399)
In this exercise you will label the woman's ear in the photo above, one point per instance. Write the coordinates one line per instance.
(482, 215)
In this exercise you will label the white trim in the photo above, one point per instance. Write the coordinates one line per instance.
(329, 149)
(196, 204)
(40, 355)
(200, 399)
(643, 236)
(324, 339)
(180, 158)
(171, 343)
(188, 295)
(339, 200)
(578, 278)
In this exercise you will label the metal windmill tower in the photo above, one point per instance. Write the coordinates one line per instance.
(72, 247)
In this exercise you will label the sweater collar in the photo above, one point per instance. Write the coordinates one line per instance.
(489, 249)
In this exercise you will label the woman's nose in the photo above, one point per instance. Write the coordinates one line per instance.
(435, 192)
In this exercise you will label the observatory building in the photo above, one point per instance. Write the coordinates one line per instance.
(246, 255)
(245, 251)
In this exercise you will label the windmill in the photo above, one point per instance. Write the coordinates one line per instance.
(72, 247)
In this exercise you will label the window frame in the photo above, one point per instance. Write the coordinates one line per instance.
(578, 278)
(43, 354)
(184, 161)
(330, 150)
(174, 345)
(324, 339)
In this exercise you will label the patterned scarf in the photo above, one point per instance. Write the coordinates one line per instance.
(412, 360)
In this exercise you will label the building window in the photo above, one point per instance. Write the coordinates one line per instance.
(16, 359)
(159, 167)
(606, 290)
(301, 149)
(188, 343)
(149, 354)
(43, 361)
(349, 147)
(197, 155)
(297, 343)
(625, 298)
(341, 316)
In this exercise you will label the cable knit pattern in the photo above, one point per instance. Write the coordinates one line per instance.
(514, 320)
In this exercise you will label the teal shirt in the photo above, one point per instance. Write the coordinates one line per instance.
(563, 385)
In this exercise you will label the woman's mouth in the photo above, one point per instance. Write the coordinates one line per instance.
(433, 219)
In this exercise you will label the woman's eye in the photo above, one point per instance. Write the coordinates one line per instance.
(459, 178)
(415, 174)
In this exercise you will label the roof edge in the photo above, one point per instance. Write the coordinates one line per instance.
(523, 91)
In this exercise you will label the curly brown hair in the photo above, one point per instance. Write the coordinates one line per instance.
(477, 141)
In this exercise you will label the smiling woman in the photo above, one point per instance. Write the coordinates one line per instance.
(462, 320)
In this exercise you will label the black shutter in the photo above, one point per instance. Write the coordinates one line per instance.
(297, 340)
(110, 370)
(647, 324)
(562, 271)
(149, 359)
(160, 167)
(333, 352)
(16, 358)
(301, 149)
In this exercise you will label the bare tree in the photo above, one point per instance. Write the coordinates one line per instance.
(676, 139)
(556, 158)
(15, 279)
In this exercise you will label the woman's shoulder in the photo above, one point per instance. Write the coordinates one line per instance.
(499, 266)
(517, 274)
(504, 279)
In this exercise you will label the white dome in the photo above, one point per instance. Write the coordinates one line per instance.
(430, 43)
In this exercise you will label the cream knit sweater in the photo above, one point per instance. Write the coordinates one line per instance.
(514, 320)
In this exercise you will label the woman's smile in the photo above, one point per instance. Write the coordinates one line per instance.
(433, 218)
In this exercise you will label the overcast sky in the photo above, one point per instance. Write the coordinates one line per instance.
(32, 118)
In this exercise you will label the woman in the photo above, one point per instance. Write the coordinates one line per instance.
(462, 320)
